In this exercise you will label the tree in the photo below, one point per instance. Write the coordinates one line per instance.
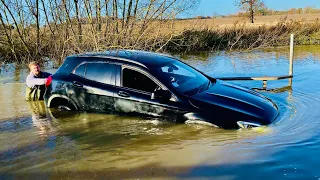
(57, 28)
(251, 6)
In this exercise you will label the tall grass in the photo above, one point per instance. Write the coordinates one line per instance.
(239, 37)
(158, 36)
(34, 30)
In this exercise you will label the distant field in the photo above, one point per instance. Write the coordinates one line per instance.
(217, 23)
(231, 33)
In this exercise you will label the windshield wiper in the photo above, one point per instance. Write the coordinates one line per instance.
(209, 84)
(204, 87)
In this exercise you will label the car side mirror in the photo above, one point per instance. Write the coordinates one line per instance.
(161, 94)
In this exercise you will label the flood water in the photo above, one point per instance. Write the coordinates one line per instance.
(35, 143)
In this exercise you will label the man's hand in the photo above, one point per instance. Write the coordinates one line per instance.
(48, 80)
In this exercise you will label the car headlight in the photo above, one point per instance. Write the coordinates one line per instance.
(244, 124)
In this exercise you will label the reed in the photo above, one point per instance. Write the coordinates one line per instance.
(156, 36)
(239, 37)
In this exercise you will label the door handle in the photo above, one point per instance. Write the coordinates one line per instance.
(77, 84)
(123, 94)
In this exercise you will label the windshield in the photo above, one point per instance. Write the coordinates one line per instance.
(181, 77)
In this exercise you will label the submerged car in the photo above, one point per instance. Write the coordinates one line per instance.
(143, 83)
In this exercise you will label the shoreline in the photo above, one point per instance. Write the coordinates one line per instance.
(236, 38)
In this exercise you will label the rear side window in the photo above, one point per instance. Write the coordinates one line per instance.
(101, 72)
(80, 70)
(136, 80)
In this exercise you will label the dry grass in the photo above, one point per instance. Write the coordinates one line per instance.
(243, 37)
(178, 35)
(221, 23)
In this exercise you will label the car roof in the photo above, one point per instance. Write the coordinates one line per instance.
(145, 58)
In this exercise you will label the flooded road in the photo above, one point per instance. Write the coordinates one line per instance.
(38, 142)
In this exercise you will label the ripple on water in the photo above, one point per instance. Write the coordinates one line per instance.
(32, 141)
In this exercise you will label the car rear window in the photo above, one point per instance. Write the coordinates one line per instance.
(101, 72)
(80, 70)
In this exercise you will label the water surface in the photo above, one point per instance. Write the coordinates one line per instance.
(34, 142)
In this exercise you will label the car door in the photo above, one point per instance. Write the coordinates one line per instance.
(95, 88)
(134, 95)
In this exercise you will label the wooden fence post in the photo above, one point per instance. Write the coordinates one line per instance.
(291, 59)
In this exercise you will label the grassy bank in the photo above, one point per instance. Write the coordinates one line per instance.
(159, 36)
(239, 37)
(55, 29)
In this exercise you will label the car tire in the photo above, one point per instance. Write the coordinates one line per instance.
(62, 108)
(65, 107)
(63, 112)
(62, 104)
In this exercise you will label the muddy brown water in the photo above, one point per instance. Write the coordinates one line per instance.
(35, 143)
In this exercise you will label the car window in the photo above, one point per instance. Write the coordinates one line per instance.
(181, 77)
(80, 70)
(136, 80)
(101, 72)
(175, 69)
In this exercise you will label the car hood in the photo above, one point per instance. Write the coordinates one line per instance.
(236, 98)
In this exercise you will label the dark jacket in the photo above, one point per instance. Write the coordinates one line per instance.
(36, 86)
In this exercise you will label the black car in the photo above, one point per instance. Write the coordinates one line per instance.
(143, 83)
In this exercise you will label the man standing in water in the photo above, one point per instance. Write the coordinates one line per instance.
(36, 81)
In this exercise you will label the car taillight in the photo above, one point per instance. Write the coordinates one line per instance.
(49, 80)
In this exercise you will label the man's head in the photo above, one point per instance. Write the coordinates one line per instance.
(34, 68)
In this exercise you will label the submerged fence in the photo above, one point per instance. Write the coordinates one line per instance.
(264, 79)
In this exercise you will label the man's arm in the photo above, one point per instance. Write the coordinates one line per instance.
(46, 74)
(32, 81)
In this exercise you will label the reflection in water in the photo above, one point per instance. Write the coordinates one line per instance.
(301, 53)
(116, 143)
(45, 143)
(40, 118)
